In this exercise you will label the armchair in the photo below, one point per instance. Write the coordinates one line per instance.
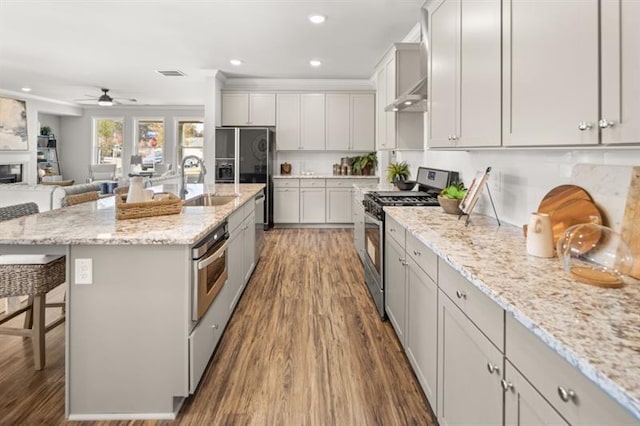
(102, 172)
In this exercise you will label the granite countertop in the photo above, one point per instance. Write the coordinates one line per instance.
(379, 186)
(596, 330)
(324, 176)
(95, 222)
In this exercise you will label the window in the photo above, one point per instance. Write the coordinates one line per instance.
(150, 137)
(191, 143)
(108, 141)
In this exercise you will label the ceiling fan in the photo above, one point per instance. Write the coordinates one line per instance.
(105, 99)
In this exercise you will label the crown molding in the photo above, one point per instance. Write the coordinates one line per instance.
(298, 84)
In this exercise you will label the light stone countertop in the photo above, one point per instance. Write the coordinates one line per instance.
(324, 176)
(596, 330)
(95, 222)
(379, 186)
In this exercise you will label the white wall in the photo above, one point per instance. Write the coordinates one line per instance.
(76, 150)
(316, 162)
(36, 106)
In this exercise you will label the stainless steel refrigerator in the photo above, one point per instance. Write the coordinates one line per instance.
(247, 155)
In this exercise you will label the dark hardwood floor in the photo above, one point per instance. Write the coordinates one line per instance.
(304, 347)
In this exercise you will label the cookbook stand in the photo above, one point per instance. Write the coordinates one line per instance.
(473, 193)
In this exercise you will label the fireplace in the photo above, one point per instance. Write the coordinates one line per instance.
(11, 173)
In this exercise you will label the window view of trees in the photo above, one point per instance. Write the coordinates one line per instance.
(109, 141)
(150, 142)
(191, 143)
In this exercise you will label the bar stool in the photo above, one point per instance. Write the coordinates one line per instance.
(32, 275)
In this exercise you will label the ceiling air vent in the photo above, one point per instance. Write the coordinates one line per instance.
(171, 73)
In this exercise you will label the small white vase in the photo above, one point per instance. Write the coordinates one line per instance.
(540, 236)
(136, 190)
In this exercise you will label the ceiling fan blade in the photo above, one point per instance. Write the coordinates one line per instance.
(126, 99)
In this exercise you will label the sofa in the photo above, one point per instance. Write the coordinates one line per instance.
(47, 197)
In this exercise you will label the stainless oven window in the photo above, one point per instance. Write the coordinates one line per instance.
(373, 242)
(210, 275)
(215, 269)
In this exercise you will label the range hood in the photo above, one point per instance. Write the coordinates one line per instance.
(415, 98)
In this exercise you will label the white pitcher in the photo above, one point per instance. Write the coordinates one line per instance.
(136, 190)
(540, 235)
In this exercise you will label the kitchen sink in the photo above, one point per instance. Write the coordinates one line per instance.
(208, 200)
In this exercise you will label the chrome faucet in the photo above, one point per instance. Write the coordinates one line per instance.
(203, 171)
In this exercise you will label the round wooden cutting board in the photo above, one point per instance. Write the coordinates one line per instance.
(560, 195)
(572, 213)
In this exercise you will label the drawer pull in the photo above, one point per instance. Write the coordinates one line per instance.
(461, 294)
(492, 368)
(392, 230)
(566, 394)
(506, 386)
(416, 253)
(214, 326)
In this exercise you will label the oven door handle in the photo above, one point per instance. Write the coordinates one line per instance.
(215, 256)
(373, 218)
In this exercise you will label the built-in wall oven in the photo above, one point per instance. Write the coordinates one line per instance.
(209, 260)
(430, 181)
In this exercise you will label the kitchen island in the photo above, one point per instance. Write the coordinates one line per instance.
(129, 334)
(577, 345)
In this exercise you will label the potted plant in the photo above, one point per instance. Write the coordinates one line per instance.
(365, 164)
(45, 131)
(451, 196)
(398, 172)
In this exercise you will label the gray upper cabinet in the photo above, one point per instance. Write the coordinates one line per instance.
(620, 67)
(248, 109)
(350, 123)
(300, 121)
(465, 76)
(550, 68)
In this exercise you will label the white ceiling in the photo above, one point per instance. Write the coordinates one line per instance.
(65, 49)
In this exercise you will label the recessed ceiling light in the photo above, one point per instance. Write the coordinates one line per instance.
(26, 89)
(317, 19)
(315, 63)
(408, 103)
(235, 62)
(395, 108)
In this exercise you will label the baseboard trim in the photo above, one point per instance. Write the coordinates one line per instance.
(122, 416)
(314, 225)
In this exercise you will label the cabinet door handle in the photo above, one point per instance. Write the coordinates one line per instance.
(566, 394)
(392, 230)
(461, 294)
(604, 123)
(506, 386)
(215, 326)
(454, 137)
(492, 368)
(583, 125)
(417, 253)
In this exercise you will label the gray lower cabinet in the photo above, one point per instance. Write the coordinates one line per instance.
(235, 255)
(339, 205)
(421, 332)
(312, 205)
(249, 247)
(576, 398)
(395, 285)
(204, 338)
(469, 389)
(286, 202)
(523, 405)
(358, 227)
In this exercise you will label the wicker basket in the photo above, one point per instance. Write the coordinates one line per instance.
(20, 279)
(124, 210)
(72, 200)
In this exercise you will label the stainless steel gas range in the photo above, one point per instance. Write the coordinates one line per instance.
(430, 183)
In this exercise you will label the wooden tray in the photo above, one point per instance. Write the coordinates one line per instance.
(124, 210)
